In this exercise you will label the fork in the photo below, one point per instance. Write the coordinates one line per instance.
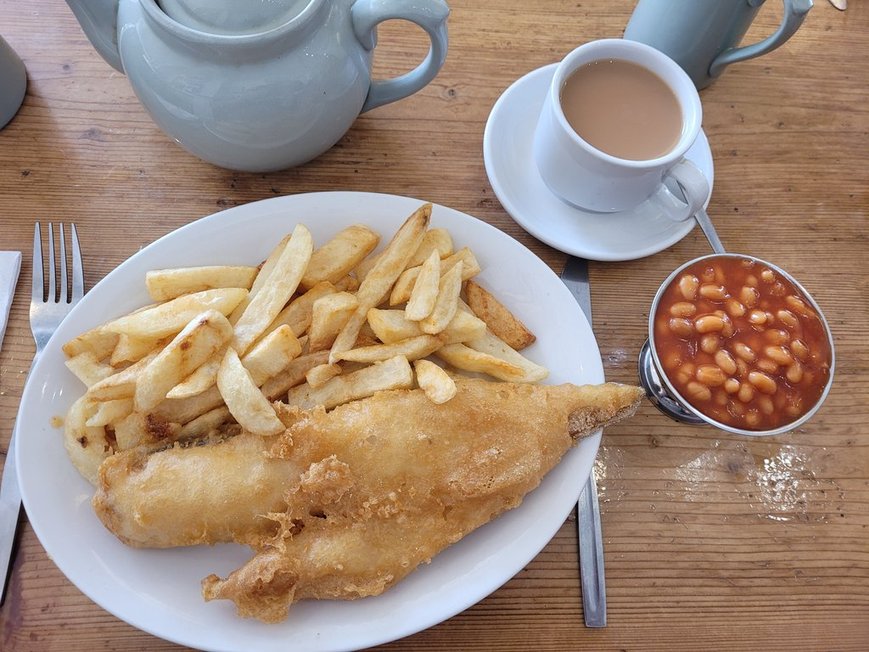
(47, 310)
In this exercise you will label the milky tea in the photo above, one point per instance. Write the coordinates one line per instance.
(623, 109)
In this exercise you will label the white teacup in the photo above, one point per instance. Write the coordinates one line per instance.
(594, 180)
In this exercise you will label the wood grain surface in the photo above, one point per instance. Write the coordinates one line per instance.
(712, 541)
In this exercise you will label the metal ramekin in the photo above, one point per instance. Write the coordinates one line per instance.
(664, 395)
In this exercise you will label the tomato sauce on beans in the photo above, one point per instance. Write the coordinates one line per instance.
(741, 343)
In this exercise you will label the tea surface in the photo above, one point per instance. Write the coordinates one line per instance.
(622, 109)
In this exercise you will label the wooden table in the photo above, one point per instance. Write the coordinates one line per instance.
(712, 541)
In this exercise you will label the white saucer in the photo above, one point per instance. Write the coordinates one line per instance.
(517, 184)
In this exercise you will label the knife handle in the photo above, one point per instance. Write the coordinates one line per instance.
(591, 556)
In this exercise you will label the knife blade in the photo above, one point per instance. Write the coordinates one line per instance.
(592, 579)
(10, 266)
(10, 511)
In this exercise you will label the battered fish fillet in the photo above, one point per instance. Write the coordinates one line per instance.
(202, 494)
(346, 503)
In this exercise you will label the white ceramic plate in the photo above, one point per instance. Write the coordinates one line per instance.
(507, 152)
(159, 590)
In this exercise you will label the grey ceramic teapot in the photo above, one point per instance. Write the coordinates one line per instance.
(702, 35)
(258, 85)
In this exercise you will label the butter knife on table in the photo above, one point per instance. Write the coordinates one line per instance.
(10, 266)
(575, 277)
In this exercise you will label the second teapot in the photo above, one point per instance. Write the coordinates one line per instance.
(702, 35)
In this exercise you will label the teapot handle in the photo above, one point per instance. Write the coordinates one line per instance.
(794, 13)
(431, 15)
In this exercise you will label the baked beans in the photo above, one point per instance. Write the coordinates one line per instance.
(741, 343)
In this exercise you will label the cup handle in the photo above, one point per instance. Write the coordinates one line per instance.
(794, 13)
(694, 190)
(430, 15)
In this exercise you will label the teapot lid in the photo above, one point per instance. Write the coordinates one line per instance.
(232, 16)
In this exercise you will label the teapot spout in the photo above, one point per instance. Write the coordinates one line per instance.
(99, 21)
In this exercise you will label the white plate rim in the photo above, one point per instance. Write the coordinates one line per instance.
(50, 386)
(699, 153)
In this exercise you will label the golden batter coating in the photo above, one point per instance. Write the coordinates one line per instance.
(345, 503)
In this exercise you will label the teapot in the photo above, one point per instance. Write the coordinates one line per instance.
(703, 36)
(259, 85)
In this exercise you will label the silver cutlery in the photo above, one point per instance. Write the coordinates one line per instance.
(10, 266)
(705, 223)
(48, 307)
(575, 277)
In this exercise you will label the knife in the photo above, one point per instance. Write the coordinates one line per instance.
(10, 266)
(575, 277)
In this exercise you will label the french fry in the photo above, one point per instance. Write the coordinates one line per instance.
(184, 410)
(165, 284)
(109, 412)
(199, 340)
(268, 265)
(130, 431)
(335, 259)
(271, 354)
(392, 326)
(318, 375)
(434, 381)
(265, 269)
(138, 429)
(130, 348)
(366, 266)
(201, 379)
(246, 403)
(497, 316)
(328, 316)
(277, 290)
(412, 348)
(463, 326)
(468, 359)
(88, 369)
(366, 337)
(98, 341)
(298, 314)
(447, 301)
(206, 423)
(278, 386)
(167, 319)
(438, 240)
(377, 283)
(404, 285)
(347, 284)
(491, 344)
(121, 384)
(394, 373)
(470, 264)
(425, 290)
(87, 446)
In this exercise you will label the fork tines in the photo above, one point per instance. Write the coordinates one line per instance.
(65, 293)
